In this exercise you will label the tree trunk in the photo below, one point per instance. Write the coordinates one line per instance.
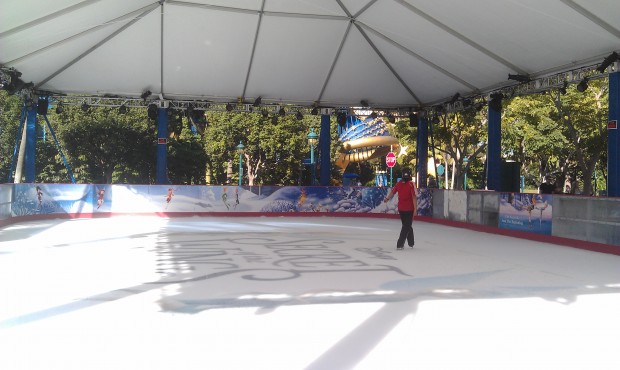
(253, 170)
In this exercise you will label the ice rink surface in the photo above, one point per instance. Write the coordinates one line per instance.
(298, 293)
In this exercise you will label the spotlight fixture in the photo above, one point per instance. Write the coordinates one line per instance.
(299, 116)
(479, 106)
(467, 103)
(229, 107)
(519, 78)
(122, 109)
(198, 115)
(364, 103)
(42, 105)
(391, 118)
(611, 58)
(85, 107)
(341, 118)
(583, 85)
(413, 120)
(563, 88)
(145, 94)
(455, 98)
(496, 101)
(315, 111)
(152, 111)
(257, 102)
(282, 112)
(265, 113)
(59, 108)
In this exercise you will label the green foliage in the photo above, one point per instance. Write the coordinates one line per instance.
(104, 146)
(532, 136)
(10, 111)
(459, 135)
(563, 136)
(274, 147)
(556, 135)
(187, 160)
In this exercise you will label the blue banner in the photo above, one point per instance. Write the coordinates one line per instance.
(526, 212)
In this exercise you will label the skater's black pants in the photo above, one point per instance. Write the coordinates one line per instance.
(406, 232)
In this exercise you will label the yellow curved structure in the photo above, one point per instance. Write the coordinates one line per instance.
(364, 149)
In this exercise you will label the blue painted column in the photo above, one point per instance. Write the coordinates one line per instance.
(422, 152)
(613, 136)
(494, 161)
(324, 149)
(31, 141)
(162, 146)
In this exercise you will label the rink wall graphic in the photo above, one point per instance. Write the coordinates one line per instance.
(591, 223)
(36, 201)
(582, 222)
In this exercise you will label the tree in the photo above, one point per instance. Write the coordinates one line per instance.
(187, 158)
(274, 146)
(584, 116)
(460, 135)
(105, 146)
(10, 111)
(532, 137)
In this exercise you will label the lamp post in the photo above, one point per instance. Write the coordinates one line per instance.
(312, 140)
(240, 151)
(465, 162)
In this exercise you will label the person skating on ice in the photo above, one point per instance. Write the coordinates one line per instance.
(407, 205)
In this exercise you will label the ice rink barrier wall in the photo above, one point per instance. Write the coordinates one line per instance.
(582, 222)
(22, 202)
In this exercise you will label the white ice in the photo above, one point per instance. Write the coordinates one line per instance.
(298, 293)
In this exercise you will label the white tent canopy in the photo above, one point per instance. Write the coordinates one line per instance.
(390, 53)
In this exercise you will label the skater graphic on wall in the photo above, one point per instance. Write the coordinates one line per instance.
(169, 197)
(100, 196)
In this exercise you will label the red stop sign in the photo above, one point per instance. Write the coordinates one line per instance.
(390, 159)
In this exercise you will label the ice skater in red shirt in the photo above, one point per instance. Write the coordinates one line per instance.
(407, 205)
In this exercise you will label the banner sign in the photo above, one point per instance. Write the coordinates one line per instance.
(526, 212)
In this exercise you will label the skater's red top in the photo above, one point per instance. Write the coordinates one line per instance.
(406, 194)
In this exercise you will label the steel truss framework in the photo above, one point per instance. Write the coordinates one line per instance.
(542, 84)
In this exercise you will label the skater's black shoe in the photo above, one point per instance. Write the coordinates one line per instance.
(400, 248)
(411, 246)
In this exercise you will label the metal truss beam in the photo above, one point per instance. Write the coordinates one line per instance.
(534, 86)
(182, 105)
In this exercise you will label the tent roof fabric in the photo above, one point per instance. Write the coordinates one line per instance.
(389, 53)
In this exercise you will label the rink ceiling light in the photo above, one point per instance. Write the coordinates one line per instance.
(583, 85)
(609, 60)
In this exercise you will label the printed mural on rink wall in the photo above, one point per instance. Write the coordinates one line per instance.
(526, 212)
(50, 199)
